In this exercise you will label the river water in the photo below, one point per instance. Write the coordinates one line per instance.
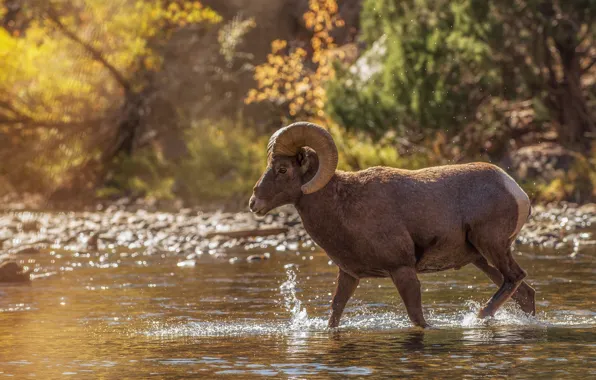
(123, 313)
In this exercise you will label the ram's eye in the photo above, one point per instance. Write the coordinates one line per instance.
(282, 170)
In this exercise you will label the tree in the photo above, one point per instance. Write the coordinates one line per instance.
(76, 79)
(426, 71)
(443, 65)
(546, 48)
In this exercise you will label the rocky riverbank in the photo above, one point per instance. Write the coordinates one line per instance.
(193, 235)
(566, 227)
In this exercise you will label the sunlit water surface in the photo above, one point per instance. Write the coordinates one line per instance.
(125, 315)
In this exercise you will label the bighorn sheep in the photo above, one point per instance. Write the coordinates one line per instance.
(387, 222)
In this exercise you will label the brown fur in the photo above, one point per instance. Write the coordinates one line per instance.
(386, 222)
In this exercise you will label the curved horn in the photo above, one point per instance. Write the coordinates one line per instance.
(288, 140)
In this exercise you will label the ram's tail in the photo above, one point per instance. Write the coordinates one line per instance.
(524, 208)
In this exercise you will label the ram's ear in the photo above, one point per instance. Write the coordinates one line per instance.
(304, 159)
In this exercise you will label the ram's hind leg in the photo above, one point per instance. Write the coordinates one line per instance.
(525, 294)
(498, 253)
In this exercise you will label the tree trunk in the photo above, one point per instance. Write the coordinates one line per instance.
(128, 128)
(575, 122)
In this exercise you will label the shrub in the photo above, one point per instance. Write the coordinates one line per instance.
(146, 174)
(359, 151)
(292, 78)
(224, 161)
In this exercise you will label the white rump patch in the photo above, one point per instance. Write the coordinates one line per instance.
(523, 202)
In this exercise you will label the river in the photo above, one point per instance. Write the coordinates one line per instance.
(126, 309)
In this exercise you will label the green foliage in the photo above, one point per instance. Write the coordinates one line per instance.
(224, 162)
(226, 159)
(359, 106)
(433, 68)
(432, 64)
(146, 174)
(107, 86)
(359, 151)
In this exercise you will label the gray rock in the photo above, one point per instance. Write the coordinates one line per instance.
(10, 271)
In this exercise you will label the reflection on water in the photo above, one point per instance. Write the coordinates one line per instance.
(121, 314)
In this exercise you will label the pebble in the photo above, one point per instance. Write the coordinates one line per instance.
(187, 263)
(262, 257)
(558, 226)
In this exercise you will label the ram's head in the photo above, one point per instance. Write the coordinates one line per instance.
(302, 158)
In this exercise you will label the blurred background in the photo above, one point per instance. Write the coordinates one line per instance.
(127, 108)
(172, 101)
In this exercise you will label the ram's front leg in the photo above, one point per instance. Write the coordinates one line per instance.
(406, 282)
(346, 285)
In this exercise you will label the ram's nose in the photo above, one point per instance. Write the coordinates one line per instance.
(256, 205)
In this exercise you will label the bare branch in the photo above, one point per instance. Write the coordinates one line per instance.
(7, 107)
(96, 54)
(548, 60)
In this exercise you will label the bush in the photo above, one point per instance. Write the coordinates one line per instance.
(359, 151)
(146, 174)
(37, 164)
(293, 79)
(224, 161)
(577, 184)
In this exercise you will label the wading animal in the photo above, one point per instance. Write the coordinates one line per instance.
(387, 222)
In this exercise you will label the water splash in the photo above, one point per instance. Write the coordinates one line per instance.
(298, 314)
(362, 319)
(510, 315)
